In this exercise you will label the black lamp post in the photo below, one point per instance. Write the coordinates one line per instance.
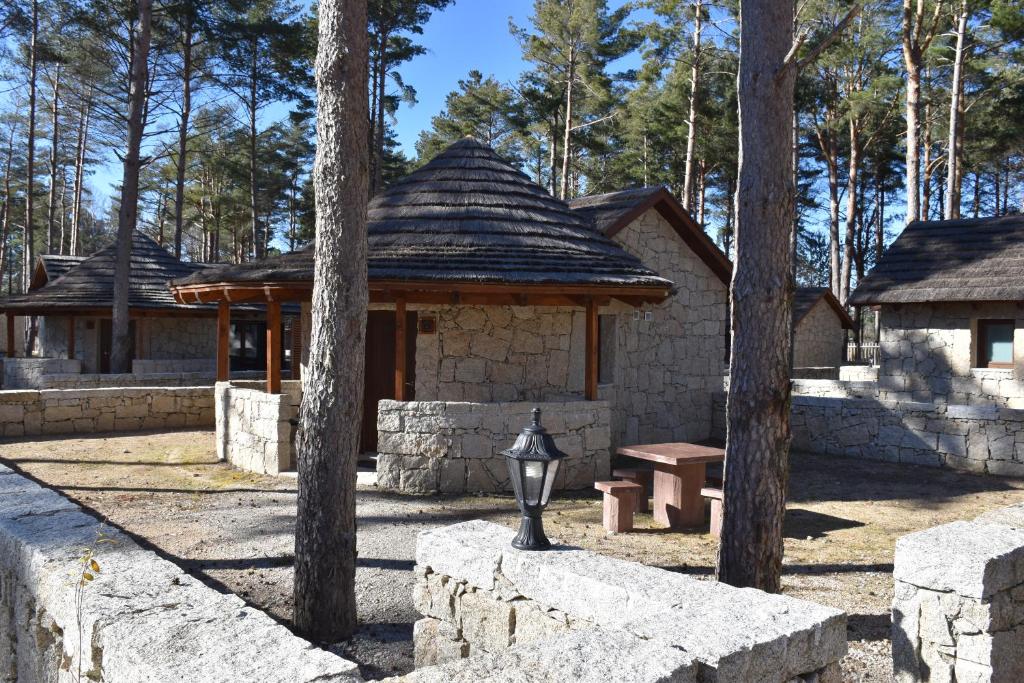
(532, 464)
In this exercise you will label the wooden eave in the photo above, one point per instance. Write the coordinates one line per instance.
(420, 292)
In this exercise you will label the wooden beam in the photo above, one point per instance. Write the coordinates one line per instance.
(223, 340)
(71, 337)
(400, 334)
(590, 383)
(11, 350)
(274, 347)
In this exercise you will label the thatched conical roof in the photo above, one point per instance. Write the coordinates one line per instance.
(467, 216)
(979, 259)
(90, 284)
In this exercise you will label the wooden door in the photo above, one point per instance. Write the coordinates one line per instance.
(107, 342)
(380, 368)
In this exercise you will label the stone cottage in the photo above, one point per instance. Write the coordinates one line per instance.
(489, 296)
(820, 324)
(72, 297)
(951, 301)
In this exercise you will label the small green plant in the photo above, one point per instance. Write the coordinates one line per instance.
(88, 569)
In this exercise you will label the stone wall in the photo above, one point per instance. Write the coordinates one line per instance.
(32, 412)
(32, 373)
(150, 366)
(480, 597)
(928, 352)
(819, 340)
(958, 610)
(858, 373)
(979, 439)
(254, 428)
(455, 447)
(140, 618)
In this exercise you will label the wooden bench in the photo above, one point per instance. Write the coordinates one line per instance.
(638, 476)
(715, 496)
(619, 504)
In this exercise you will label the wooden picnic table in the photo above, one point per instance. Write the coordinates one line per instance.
(679, 473)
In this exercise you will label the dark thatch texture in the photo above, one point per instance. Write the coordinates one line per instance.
(806, 298)
(613, 211)
(90, 284)
(49, 267)
(467, 216)
(978, 259)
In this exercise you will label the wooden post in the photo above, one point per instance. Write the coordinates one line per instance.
(71, 337)
(590, 381)
(223, 340)
(274, 347)
(400, 335)
(11, 351)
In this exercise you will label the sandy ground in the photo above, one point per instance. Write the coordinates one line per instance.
(234, 530)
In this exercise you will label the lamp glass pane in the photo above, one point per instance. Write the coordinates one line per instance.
(533, 475)
(516, 475)
(552, 471)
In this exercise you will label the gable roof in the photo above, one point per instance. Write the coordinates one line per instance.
(980, 259)
(467, 216)
(613, 211)
(49, 267)
(90, 284)
(806, 298)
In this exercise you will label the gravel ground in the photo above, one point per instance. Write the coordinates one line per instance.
(234, 530)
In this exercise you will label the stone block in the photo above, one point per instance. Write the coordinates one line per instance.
(437, 642)
(487, 623)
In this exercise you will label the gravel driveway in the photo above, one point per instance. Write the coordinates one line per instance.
(234, 530)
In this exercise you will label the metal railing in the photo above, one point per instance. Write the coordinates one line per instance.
(866, 353)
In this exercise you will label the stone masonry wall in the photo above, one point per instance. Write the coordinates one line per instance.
(668, 367)
(980, 439)
(254, 429)
(140, 618)
(455, 447)
(480, 597)
(32, 373)
(149, 366)
(958, 607)
(819, 340)
(85, 411)
(928, 352)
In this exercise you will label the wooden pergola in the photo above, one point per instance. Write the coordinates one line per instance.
(401, 294)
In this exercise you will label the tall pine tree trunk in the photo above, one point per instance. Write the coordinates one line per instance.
(80, 147)
(567, 140)
(852, 206)
(128, 214)
(380, 87)
(186, 111)
(757, 444)
(332, 405)
(691, 133)
(956, 88)
(29, 234)
(252, 105)
(5, 212)
(51, 204)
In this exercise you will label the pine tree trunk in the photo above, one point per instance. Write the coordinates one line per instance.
(186, 111)
(80, 147)
(377, 183)
(127, 216)
(5, 213)
(29, 236)
(926, 164)
(757, 445)
(912, 62)
(332, 403)
(51, 204)
(956, 89)
(567, 141)
(852, 206)
(691, 134)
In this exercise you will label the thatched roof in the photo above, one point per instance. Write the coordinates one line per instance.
(49, 267)
(89, 285)
(467, 216)
(978, 259)
(613, 211)
(807, 298)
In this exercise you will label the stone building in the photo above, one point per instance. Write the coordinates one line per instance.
(951, 300)
(489, 296)
(820, 324)
(71, 300)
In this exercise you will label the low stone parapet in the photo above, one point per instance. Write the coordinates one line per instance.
(254, 428)
(29, 373)
(54, 411)
(958, 610)
(478, 595)
(150, 366)
(455, 447)
(80, 600)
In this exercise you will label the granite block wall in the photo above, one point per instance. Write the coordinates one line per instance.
(254, 428)
(958, 607)
(455, 447)
(819, 340)
(57, 411)
(32, 373)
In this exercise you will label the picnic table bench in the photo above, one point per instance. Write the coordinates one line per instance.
(679, 476)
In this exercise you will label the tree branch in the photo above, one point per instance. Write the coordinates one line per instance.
(791, 61)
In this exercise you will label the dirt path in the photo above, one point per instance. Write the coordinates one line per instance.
(234, 530)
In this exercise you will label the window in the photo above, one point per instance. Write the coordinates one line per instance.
(605, 349)
(995, 343)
